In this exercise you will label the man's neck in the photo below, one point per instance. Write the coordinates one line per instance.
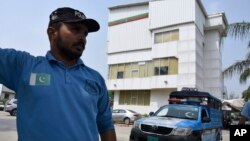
(65, 60)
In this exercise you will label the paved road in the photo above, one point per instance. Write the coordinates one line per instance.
(123, 133)
(8, 129)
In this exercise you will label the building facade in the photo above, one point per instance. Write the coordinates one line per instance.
(6, 93)
(160, 46)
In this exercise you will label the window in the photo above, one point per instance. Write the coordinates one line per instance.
(156, 71)
(122, 111)
(134, 97)
(115, 111)
(167, 36)
(161, 70)
(113, 71)
(6, 96)
(160, 66)
(203, 113)
(120, 74)
(134, 73)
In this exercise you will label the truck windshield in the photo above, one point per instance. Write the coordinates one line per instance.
(178, 111)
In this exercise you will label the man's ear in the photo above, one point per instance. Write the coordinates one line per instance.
(52, 32)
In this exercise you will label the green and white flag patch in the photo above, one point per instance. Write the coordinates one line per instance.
(39, 79)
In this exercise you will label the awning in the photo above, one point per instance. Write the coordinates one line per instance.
(236, 104)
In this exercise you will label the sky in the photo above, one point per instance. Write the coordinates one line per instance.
(23, 25)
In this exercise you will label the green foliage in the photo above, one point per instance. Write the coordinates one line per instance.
(111, 95)
(244, 75)
(145, 115)
(246, 94)
(240, 30)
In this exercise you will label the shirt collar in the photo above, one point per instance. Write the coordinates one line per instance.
(51, 58)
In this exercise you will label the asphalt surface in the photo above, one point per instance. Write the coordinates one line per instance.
(8, 129)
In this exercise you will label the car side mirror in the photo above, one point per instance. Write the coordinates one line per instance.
(206, 119)
(151, 114)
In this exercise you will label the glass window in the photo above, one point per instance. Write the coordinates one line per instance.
(142, 70)
(178, 111)
(115, 111)
(158, 37)
(146, 97)
(122, 98)
(160, 66)
(122, 111)
(127, 72)
(120, 74)
(128, 98)
(161, 70)
(141, 97)
(150, 69)
(166, 36)
(113, 69)
(175, 35)
(156, 71)
(135, 73)
(164, 70)
(6, 96)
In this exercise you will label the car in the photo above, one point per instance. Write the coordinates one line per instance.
(11, 107)
(1, 106)
(125, 115)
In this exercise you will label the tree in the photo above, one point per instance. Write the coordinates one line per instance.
(241, 31)
(246, 94)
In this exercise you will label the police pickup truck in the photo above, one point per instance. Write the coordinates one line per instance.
(191, 115)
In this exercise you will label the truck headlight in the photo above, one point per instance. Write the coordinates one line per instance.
(136, 124)
(182, 131)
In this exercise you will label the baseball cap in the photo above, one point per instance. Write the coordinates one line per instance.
(67, 14)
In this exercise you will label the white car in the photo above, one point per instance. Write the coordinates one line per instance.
(125, 115)
(11, 107)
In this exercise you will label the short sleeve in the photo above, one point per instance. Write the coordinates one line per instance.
(104, 116)
(246, 110)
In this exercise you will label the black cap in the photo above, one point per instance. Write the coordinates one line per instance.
(67, 14)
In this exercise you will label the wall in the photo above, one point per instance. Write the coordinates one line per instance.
(213, 67)
(171, 12)
(158, 98)
(129, 36)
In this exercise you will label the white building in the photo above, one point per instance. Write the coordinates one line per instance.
(159, 46)
(6, 93)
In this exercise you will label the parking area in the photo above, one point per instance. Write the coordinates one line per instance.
(8, 129)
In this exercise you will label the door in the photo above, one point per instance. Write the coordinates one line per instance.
(121, 114)
(115, 115)
(209, 132)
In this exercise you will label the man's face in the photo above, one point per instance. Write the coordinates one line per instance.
(71, 40)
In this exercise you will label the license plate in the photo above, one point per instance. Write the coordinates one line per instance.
(152, 138)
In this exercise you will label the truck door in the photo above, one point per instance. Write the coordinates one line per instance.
(208, 132)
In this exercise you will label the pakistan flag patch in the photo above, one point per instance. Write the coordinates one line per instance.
(39, 79)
